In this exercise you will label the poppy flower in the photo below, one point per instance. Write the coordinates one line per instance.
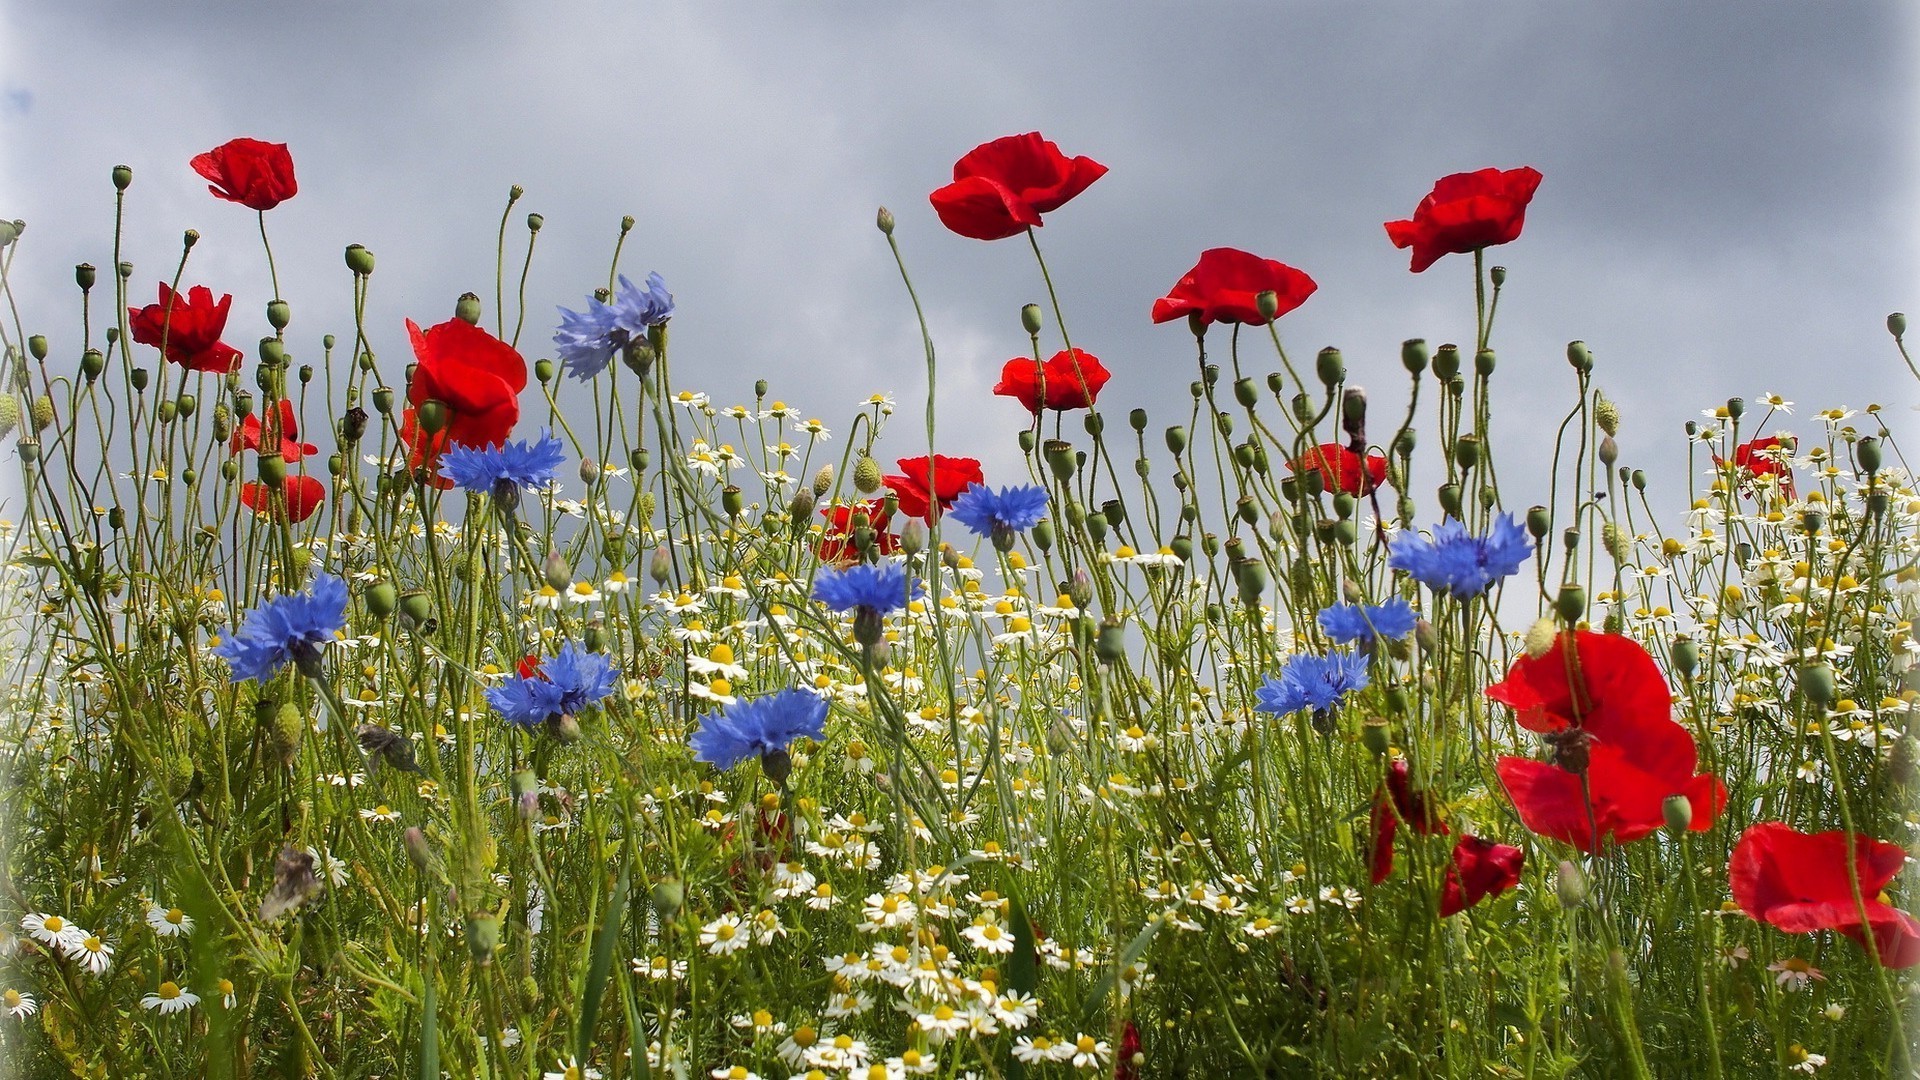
(1799, 883)
(1001, 188)
(247, 437)
(252, 173)
(1395, 802)
(1607, 713)
(950, 476)
(1466, 212)
(303, 494)
(1765, 458)
(1225, 284)
(476, 376)
(1340, 469)
(1070, 379)
(837, 547)
(186, 327)
(1480, 868)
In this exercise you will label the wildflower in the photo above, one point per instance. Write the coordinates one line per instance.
(1225, 285)
(1758, 461)
(1795, 973)
(569, 682)
(1070, 379)
(476, 378)
(1000, 516)
(926, 486)
(501, 471)
(1799, 883)
(1341, 469)
(18, 1005)
(1394, 802)
(382, 814)
(1089, 1052)
(586, 341)
(761, 726)
(169, 922)
(1364, 623)
(1309, 681)
(1804, 1060)
(295, 500)
(247, 435)
(570, 1069)
(1480, 868)
(1461, 565)
(1001, 188)
(724, 935)
(286, 629)
(258, 175)
(52, 931)
(224, 987)
(1466, 212)
(870, 590)
(186, 327)
(660, 968)
(93, 953)
(170, 999)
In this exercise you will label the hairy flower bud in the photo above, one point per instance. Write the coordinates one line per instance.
(1570, 885)
(1897, 325)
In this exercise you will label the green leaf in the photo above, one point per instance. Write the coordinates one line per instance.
(604, 940)
(1104, 985)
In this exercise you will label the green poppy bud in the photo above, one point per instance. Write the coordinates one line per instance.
(140, 377)
(866, 475)
(1114, 511)
(660, 567)
(668, 895)
(359, 260)
(1815, 683)
(1571, 604)
(1094, 423)
(1678, 812)
(732, 501)
(1466, 451)
(29, 451)
(383, 400)
(1736, 407)
(1483, 362)
(273, 470)
(1043, 536)
(1446, 362)
(1111, 645)
(417, 606)
(1177, 440)
(1267, 303)
(1245, 392)
(1570, 885)
(1182, 548)
(1137, 419)
(1867, 450)
(913, 537)
(483, 937)
(279, 314)
(1497, 275)
(1686, 656)
(382, 599)
(1897, 325)
(1449, 495)
(431, 416)
(1375, 735)
(883, 220)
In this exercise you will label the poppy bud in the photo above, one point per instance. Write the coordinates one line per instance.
(9, 414)
(1094, 423)
(1030, 319)
(359, 260)
(1182, 548)
(167, 410)
(1114, 511)
(1110, 646)
(1497, 275)
(1812, 521)
(1678, 812)
(431, 416)
(667, 896)
(1579, 356)
(1570, 540)
(1466, 451)
(1242, 454)
(1686, 656)
(1176, 439)
(417, 606)
(1253, 582)
(125, 269)
(483, 937)
(29, 451)
(555, 570)
(42, 413)
(1096, 527)
(140, 377)
(1897, 325)
(1570, 604)
(229, 470)
(1246, 393)
(1446, 362)
(883, 218)
(1638, 478)
(1375, 736)
(1330, 367)
(564, 729)
(467, 309)
(383, 400)
(732, 501)
(1449, 496)
(273, 470)
(415, 841)
(1413, 355)
(8, 233)
(381, 599)
(823, 480)
(1736, 407)
(660, 567)
(1483, 363)
(913, 537)
(1815, 683)
(122, 177)
(1570, 885)
(1606, 414)
(1042, 534)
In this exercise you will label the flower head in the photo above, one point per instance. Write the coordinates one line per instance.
(247, 435)
(1000, 515)
(760, 726)
(1466, 212)
(1459, 564)
(1070, 379)
(880, 588)
(1310, 681)
(186, 327)
(1366, 623)
(565, 684)
(837, 544)
(1799, 882)
(587, 340)
(1342, 469)
(286, 629)
(1480, 868)
(477, 379)
(1001, 188)
(297, 499)
(255, 174)
(490, 470)
(170, 999)
(1225, 285)
(1394, 802)
(926, 486)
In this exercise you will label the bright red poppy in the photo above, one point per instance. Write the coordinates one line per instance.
(1799, 883)
(252, 173)
(1001, 188)
(1607, 713)
(1394, 803)
(190, 325)
(1070, 379)
(476, 376)
(1466, 212)
(1224, 286)
(303, 495)
(1760, 459)
(1480, 868)
(950, 476)
(1340, 469)
(247, 437)
(837, 547)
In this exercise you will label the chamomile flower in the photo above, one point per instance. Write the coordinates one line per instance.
(52, 931)
(169, 922)
(93, 953)
(170, 999)
(1794, 973)
(724, 935)
(18, 1005)
(569, 1069)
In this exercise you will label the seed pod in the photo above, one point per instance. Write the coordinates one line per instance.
(1897, 325)
(1815, 683)
(1580, 356)
(1446, 363)
(1571, 604)
(1678, 812)
(1375, 735)
(1484, 363)
(1330, 367)
(467, 309)
(1686, 656)
(1043, 536)
(1111, 644)
(1060, 458)
(1449, 496)
(732, 501)
(1413, 355)
(1246, 393)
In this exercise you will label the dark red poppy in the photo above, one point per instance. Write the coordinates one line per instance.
(1070, 379)
(950, 476)
(1480, 868)
(302, 496)
(247, 437)
(1001, 188)
(1395, 802)
(1225, 284)
(1799, 882)
(1340, 468)
(837, 547)
(1124, 1066)
(189, 324)
(1607, 713)
(252, 173)
(1466, 212)
(1759, 459)
(476, 376)
(530, 667)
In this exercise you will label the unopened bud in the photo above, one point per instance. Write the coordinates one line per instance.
(1540, 637)
(1570, 885)
(660, 567)
(1678, 812)
(883, 218)
(1815, 683)
(483, 937)
(1897, 325)
(866, 475)
(913, 537)
(555, 570)
(1867, 450)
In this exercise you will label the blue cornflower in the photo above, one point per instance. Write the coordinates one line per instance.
(566, 683)
(1364, 623)
(1313, 682)
(494, 470)
(763, 726)
(586, 340)
(286, 629)
(1013, 510)
(869, 590)
(1454, 562)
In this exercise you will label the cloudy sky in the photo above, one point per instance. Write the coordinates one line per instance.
(1728, 205)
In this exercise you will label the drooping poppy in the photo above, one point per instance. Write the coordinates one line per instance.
(1070, 379)
(1394, 802)
(1480, 868)
(1001, 188)
(1225, 285)
(1341, 469)
(186, 327)
(1466, 212)
(255, 174)
(1799, 883)
(247, 435)
(302, 496)
(949, 477)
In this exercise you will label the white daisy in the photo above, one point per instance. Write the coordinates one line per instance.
(170, 999)
(170, 922)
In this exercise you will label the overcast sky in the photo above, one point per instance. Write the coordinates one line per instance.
(1728, 205)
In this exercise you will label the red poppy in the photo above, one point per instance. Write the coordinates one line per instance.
(1124, 1065)
(530, 667)
(1608, 714)
(303, 495)
(950, 475)
(1070, 379)
(1764, 458)
(252, 173)
(476, 376)
(1393, 803)
(1799, 882)
(1225, 284)
(1340, 468)
(1480, 868)
(190, 325)
(837, 548)
(291, 448)
(1466, 212)
(1001, 188)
